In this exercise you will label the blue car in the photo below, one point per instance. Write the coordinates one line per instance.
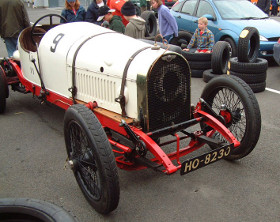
(227, 18)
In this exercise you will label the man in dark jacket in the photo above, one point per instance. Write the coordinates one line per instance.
(92, 11)
(136, 26)
(13, 19)
(115, 21)
(264, 5)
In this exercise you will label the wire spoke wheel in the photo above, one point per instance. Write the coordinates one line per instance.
(234, 115)
(86, 169)
(235, 103)
(91, 158)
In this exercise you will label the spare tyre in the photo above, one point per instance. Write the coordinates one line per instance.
(26, 210)
(220, 57)
(248, 45)
(182, 38)
(151, 23)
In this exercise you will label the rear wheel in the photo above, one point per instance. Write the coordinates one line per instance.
(3, 91)
(91, 158)
(232, 98)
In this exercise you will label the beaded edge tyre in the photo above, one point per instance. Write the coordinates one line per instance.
(248, 45)
(240, 102)
(93, 161)
(26, 210)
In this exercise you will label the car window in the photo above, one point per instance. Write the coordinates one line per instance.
(189, 6)
(176, 7)
(238, 9)
(204, 8)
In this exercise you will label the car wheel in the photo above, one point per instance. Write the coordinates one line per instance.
(240, 108)
(3, 91)
(233, 47)
(220, 57)
(27, 210)
(91, 158)
(248, 45)
(151, 23)
(259, 66)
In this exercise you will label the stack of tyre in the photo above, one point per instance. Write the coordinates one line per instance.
(219, 61)
(247, 65)
(198, 62)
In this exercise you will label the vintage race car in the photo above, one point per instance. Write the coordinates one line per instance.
(122, 97)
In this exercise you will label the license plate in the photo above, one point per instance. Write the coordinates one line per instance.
(206, 159)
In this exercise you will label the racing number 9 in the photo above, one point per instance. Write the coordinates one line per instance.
(56, 41)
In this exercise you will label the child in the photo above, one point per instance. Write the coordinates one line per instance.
(203, 37)
(115, 21)
(136, 26)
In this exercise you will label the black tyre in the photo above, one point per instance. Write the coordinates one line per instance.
(182, 38)
(28, 210)
(151, 23)
(92, 158)
(220, 57)
(200, 64)
(260, 66)
(242, 111)
(197, 73)
(208, 75)
(257, 87)
(191, 56)
(233, 46)
(248, 45)
(250, 78)
(3, 91)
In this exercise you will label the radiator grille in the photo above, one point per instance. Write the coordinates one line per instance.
(168, 92)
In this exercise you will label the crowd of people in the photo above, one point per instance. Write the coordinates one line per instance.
(117, 15)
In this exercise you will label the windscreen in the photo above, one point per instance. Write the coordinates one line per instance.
(239, 9)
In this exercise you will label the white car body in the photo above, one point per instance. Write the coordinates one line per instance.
(101, 57)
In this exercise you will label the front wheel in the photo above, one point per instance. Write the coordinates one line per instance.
(92, 159)
(232, 99)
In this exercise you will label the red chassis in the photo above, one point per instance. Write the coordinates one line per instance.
(160, 157)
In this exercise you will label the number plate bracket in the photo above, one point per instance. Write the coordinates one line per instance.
(206, 159)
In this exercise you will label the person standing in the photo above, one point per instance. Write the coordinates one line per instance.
(13, 19)
(117, 5)
(92, 11)
(168, 27)
(115, 21)
(274, 10)
(136, 26)
(73, 11)
(264, 5)
(143, 5)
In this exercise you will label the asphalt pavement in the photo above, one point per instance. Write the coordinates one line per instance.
(32, 165)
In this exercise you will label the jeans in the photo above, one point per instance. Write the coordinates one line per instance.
(168, 37)
(11, 45)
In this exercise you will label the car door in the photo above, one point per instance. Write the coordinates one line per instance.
(185, 17)
(205, 8)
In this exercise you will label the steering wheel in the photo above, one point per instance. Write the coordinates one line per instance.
(40, 34)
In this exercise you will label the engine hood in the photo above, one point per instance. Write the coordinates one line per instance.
(266, 27)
